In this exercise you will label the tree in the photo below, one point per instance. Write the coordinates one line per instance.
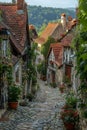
(81, 51)
(81, 40)
(82, 15)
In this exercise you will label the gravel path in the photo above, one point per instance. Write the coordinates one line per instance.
(41, 114)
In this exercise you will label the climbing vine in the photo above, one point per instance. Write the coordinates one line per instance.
(81, 51)
(6, 66)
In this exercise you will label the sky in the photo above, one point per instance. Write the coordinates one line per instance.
(51, 3)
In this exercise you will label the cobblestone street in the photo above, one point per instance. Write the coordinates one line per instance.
(41, 114)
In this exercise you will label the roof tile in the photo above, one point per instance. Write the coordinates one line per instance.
(16, 23)
(58, 53)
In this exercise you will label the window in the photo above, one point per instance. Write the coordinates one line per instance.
(4, 47)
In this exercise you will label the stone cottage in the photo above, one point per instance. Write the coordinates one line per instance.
(15, 17)
(60, 59)
(4, 63)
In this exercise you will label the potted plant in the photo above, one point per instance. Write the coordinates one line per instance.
(69, 118)
(13, 96)
(71, 100)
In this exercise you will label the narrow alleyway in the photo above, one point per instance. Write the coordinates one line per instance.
(41, 114)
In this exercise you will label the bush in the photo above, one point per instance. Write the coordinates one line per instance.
(41, 68)
(71, 100)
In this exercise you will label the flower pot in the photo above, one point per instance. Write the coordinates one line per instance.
(13, 105)
(69, 126)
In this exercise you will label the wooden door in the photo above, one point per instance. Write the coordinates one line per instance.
(53, 76)
(68, 71)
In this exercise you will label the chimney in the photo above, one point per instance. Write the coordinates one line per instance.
(69, 18)
(63, 20)
(20, 4)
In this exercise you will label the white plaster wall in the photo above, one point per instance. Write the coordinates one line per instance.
(59, 75)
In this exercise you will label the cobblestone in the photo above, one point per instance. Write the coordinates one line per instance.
(41, 114)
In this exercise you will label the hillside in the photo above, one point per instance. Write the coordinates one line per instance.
(39, 15)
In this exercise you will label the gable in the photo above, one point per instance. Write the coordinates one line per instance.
(57, 32)
(56, 53)
(51, 55)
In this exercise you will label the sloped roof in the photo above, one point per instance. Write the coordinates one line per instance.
(40, 40)
(47, 32)
(58, 53)
(71, 24)
(67, 40)
(2, 26)
(50, 30)
(16, 24)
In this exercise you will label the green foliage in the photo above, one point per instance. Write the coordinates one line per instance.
(71, 100)
(6, 68)
(41, 68)
(13, 93)
(34, 80)
(31, 53)
(81, 52)
(69, 116)
(9, 75)
(46, 46)
(39, 15)
(31, 70)
(83, 14)
(81, 41)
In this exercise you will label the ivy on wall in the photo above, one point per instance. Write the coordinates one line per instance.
(81, 52)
